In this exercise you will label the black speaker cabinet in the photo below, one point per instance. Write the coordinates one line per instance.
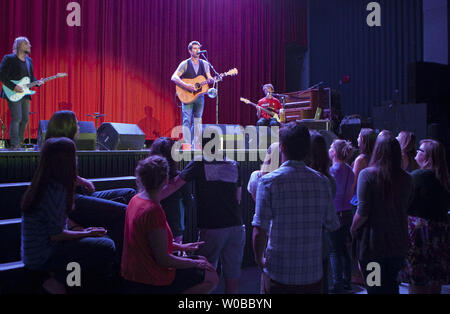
(405, 117)
(120, 136)
(429, 83)
(87, 135)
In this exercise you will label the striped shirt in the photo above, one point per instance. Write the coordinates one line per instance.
(49, 218)
(293, 203)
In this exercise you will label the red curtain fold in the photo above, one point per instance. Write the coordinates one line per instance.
(121, 59)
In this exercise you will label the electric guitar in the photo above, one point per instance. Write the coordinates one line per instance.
(201, 86)
(26, 85)
(271, 113)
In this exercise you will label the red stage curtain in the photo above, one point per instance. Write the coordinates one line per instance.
(122, 57)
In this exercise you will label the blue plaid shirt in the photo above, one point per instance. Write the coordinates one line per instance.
(293, 203)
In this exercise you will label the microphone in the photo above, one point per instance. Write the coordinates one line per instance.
(203, 51)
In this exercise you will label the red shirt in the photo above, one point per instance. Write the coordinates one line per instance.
(138, 264)
(271, 103)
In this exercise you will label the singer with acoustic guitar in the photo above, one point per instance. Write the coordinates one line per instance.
(16, 67)
(190, 69)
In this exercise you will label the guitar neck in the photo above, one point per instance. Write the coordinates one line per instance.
(44, 80)
(216, 79)
(263, 109)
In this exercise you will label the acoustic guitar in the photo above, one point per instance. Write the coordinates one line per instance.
(201, 86)
(26, 85)
(271, 113)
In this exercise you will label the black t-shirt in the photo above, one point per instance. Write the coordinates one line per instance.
(172, 208)
(12, 68)
(216, 185)
(431, 199)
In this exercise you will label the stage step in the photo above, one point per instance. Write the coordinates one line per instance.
(10, 231)
(11, 267)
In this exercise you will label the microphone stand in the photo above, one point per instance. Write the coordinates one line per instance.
(29, 145)
(96, 116)
(3, 142)
(216, 86)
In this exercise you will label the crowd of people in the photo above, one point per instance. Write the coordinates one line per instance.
(316, 208)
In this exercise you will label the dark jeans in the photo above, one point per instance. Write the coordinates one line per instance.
(341, 264)
(268, 122)
(94, 255)
(269, 286)
(19, 119)
(190, 112)
(389, 268)
(99, 210)
(325, 265)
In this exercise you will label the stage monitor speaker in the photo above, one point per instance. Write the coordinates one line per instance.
(230, 134)
(87, 135)
(120, 136)
(316, 124)
(238, 137)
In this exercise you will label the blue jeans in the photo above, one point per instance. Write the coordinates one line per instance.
(389, 271)
(104, 209)
(94, 255)
(341, 264)
(20, 112)
(268, 122)
(190, 112)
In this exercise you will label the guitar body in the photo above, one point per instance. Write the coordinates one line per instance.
(274, 115)
(188, 97)
(13, 96)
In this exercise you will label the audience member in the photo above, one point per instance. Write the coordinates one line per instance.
(271, 162)
(293, 203)
(341, 265)
(319, 160)
(47, 243)
(218, 196)
(380, 223)
(148, 262)
(174, 206)
(428, 264)
(407, 142)
(366, 143)
(102, 208)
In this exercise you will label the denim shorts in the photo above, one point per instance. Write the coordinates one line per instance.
(226, 244)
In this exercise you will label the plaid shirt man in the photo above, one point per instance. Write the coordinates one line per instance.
(292, 205)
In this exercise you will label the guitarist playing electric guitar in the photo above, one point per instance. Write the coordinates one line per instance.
(15, 67)
(190, 69)
(270, 103)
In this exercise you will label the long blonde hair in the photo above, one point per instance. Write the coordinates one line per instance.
(17, 42)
